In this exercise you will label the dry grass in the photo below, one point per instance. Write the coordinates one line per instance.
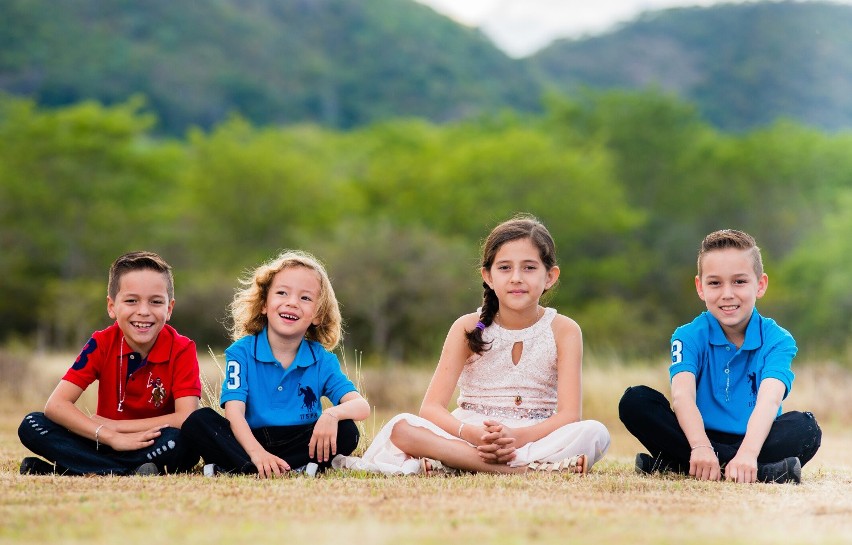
(611, 505)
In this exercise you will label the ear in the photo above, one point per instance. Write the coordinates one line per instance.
(699, 288)
(171, 308)
(552, 277)
(110, 305)
(762, 284)
(486, 276)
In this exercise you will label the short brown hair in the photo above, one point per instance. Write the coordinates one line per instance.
(138, 261)
(731, 238)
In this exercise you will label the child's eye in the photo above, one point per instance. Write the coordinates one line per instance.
(306, 298)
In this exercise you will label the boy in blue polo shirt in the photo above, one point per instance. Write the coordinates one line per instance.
(286, 320)
(730, 370)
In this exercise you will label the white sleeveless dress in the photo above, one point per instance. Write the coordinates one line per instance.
(492, 387)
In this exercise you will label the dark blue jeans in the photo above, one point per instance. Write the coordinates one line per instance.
(76, 455)
(646, 414)
(209, 433)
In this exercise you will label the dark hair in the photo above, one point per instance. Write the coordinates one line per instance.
(519, 227)
(138, 261)
(731, 238)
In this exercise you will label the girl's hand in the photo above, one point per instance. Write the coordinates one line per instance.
(267, 464)
(704, 465)
(129, 441)
(324, 439)
(498, 443)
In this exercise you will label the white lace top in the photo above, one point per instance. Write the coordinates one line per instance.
(493, 380)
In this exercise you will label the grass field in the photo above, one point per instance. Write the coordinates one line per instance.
(611, 505)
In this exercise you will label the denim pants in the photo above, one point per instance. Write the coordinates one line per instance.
(76, 455)
(646, 414)
(209, 433)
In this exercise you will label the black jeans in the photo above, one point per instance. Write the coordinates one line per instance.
(210, 435)
(646, 414)
(76, 455)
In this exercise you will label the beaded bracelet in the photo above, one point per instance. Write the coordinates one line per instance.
(97, 439)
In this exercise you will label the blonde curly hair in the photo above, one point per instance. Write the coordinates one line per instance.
(247, 306)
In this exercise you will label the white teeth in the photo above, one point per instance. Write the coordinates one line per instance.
(289, 317)
(141, 324)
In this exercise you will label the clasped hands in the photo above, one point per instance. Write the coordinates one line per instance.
(498, 443)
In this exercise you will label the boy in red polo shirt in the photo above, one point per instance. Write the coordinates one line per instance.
(148, 383)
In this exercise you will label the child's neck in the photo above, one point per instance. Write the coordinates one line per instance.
(284, 350)
(519, 319)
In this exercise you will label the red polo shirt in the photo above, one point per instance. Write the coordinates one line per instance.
(170, 372)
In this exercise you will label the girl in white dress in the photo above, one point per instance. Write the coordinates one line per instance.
(518, 369)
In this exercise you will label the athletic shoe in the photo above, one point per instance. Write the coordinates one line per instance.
(147, 469)
(644, 464)
(36, 466)
(309, 470)
(211, 470)
(785, 471)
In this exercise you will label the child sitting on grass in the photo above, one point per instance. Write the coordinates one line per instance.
(286, 320)
(148, 383)
(730, 370)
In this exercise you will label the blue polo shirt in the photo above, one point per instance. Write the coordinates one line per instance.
(726, 378)
(275, 396)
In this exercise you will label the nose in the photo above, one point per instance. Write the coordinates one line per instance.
(516, 274)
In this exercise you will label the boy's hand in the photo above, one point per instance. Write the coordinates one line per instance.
(742, 468)
(130, 441)
(704, 465)
(324, 439)
(267, 464)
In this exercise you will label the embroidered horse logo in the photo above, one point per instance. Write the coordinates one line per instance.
(158, 391)
(752, 379)
(309, 398)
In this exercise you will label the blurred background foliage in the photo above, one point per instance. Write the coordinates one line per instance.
(628, 184)
(389, 140)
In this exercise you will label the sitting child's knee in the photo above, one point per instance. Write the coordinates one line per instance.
(401, 434)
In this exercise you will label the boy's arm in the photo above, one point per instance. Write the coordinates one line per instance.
(324, 438)
(61, 409)
(183, 408)
(743, 467)
(703, 463)
(267, 464)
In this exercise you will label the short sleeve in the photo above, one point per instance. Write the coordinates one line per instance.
(86, 368)
(778, 361)
(186, 379)
(235, 385)
(684, 353)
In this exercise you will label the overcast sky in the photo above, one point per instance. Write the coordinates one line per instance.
(521, 27)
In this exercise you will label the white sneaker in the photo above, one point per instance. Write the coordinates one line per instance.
(309, 470)
(210, 470)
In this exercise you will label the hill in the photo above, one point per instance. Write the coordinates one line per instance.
(743, 64)
(336, 62)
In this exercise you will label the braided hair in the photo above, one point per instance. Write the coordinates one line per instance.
(522, 226)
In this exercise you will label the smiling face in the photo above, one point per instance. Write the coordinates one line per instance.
(291, 303)
(730, 287)
(141, 307)
(518, 276)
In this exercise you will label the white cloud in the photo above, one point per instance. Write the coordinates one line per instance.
(520, 27)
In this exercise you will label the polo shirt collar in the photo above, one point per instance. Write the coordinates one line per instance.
(263, 352)
(753, 338)
(162, 349)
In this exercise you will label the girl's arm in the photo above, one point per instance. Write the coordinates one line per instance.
(267, 464)
(324, 439)
(569, 396)
(743, 467)
(61, 409)
(183, 408)
(437, 398)
(703, 463)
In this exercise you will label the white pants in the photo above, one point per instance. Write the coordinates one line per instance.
(588, 437)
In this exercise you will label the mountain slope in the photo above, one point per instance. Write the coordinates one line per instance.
(743, 64)
(337, 62)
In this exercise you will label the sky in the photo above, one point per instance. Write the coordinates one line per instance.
(521, 27)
